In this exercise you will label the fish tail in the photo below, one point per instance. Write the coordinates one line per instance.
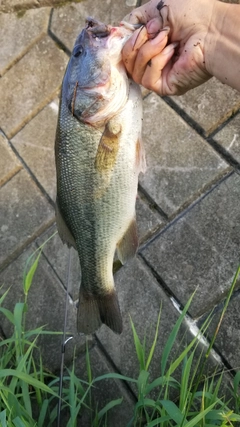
(93, 310)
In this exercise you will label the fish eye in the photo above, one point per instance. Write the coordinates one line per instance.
(77, 51)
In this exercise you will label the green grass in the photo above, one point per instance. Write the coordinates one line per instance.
(180, 396)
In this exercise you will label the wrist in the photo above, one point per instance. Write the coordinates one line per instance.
(222, 44)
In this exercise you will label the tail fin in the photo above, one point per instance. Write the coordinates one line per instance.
(93, 310)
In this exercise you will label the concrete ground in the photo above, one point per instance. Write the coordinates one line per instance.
(188, 205)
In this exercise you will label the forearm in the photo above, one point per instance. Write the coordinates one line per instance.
(222, 46)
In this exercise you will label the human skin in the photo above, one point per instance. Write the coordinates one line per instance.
(182, 44)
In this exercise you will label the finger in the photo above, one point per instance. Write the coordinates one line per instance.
(152, 77)
(153, 27)
(148, 51)
(136, 16)
(132, 46)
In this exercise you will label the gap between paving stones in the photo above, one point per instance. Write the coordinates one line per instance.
(172, 220)
(32, 175)
(208, 137)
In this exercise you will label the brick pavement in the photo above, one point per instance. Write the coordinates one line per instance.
(187, 209)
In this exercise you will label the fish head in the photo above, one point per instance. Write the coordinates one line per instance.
(95, 72)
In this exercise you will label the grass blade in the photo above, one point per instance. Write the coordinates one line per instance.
(224, 310)
(43, 413)
(3, 418)
(172, 337)
(109, 406)
(18, 422)
(114, 376)
(150, 356)
(200, 416)
(174, 412)
(28, 379)
(184, 389)
(162, 381)
(142, 382)
(27, 281)
(139, 348)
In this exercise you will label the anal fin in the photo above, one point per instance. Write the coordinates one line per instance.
(128, 245)
(93, 310)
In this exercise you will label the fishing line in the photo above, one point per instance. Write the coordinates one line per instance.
(64, 340)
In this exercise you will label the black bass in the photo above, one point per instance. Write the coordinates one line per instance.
(99, 156)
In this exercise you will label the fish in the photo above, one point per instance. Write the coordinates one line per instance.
(99, 155)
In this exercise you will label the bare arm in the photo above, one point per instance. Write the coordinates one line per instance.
(200, 40)
(223, 44)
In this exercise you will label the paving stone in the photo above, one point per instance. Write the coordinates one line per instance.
(24, 213)
(32, 83)
(19, 33)
(105, 391)
(147, 220)
(179, 162)
(22, 5)
(58, 255)
(46, 307)
(9, 164)
(228, 337)
(66, 26)
(140, 297)
(35, 144)
(210, 104)
(229, 137)
(200, 251)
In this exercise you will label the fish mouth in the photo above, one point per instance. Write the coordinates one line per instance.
(97, 29)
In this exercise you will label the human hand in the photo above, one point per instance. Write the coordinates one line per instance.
(167, 55)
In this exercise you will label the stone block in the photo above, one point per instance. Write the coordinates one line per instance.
(58, 256)
(180, 164)
(66, 27)
(46, 307)
(21, 6)
(18, 33)
(35, 144)
(210, 104)
(200, 251)
(229, 137)
(9, 164)
(25, 213)
(148, 221)
(31, 84)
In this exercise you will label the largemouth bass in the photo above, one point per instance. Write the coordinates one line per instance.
(99, 156)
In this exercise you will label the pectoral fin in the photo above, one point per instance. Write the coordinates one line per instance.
(128, 245)
(140, 156)
(108, 147)
(63, 230)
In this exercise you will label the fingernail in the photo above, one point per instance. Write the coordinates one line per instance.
(170, 48)
(161, 36)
